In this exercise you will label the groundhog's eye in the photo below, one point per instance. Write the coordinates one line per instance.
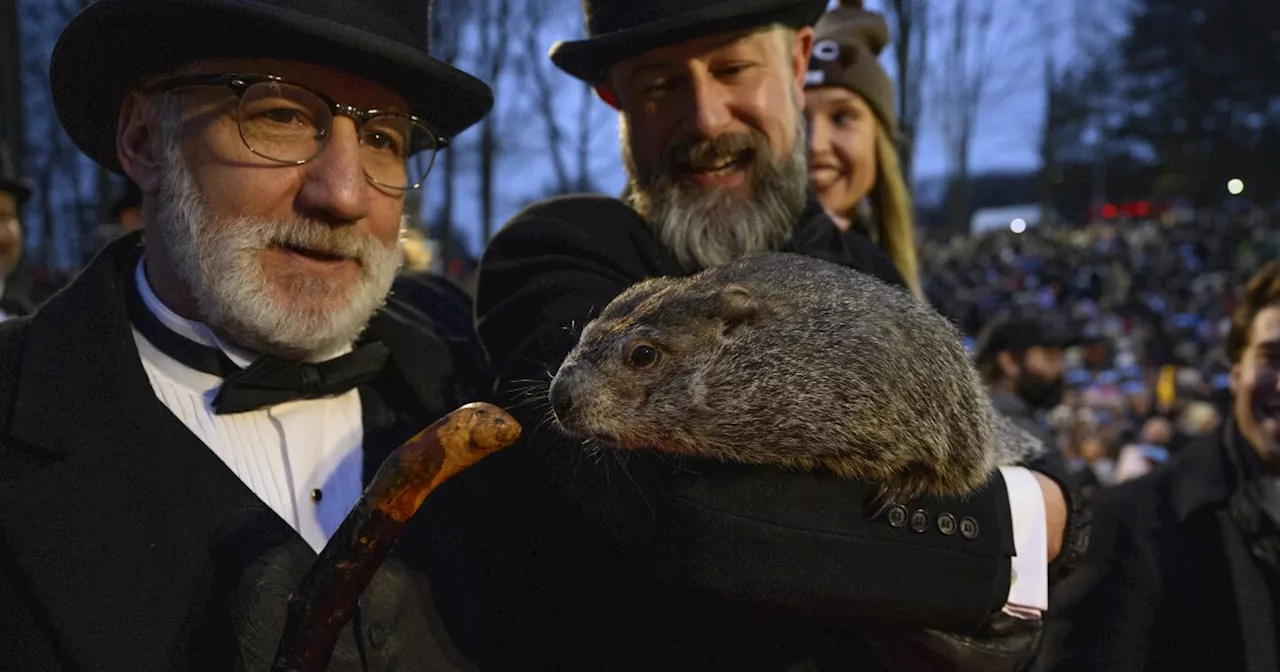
(642, 356)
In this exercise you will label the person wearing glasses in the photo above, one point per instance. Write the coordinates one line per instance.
(184, 427)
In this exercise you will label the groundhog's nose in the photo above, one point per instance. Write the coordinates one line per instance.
(562, 392)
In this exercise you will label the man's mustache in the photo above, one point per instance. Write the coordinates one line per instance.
(315, 235)
(697, 152)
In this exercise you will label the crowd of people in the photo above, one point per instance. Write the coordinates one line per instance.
(1142, 307)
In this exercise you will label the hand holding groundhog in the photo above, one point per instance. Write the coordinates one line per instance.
(786, 360)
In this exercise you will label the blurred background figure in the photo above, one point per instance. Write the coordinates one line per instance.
(127, 209)
(14, 192)
(1022, 364)
(418, 254)
(853, 160)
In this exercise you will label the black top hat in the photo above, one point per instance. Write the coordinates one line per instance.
(113, 45)
(10, 180)
(620, 29)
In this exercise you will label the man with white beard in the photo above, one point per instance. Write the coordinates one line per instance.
(639, 563)
(184, 427)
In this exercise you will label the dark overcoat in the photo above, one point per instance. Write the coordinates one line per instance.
(1169, 582)
(126, 544)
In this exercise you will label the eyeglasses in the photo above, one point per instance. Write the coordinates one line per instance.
(291, 123)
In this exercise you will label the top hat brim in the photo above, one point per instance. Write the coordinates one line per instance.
(589, 59)
(18, 186)
(111, 47)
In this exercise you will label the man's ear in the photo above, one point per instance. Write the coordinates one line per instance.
(607, 94)
(801, 50)
(1235, 378)
(138, 144)
(1008, 365)
(738, 308)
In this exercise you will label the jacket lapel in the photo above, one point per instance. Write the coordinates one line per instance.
(119, 535)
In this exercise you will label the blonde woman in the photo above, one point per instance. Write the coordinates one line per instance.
(853, 161)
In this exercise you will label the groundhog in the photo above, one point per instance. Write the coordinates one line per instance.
(791, 361)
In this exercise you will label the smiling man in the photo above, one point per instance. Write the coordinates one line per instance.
(1184, 570)
(644, 563)
(184, 427)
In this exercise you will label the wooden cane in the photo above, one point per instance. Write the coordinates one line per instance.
(326, 599)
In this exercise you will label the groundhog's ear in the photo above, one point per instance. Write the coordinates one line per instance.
(738, 308)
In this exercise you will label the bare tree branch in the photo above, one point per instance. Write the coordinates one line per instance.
(536, 11)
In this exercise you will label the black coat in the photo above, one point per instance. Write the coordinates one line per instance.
(15, 301)
(125, 544)
(644, 564)
(1168, 583)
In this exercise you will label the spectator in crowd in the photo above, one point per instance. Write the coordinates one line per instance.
(14, 192)
(1149, 450)
(1022, 364)
(1184, 565)
(853, 159)
(1145, 301)
(1095, 466)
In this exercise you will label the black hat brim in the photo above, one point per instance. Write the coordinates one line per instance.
(19, 187)
(590, 59)
(111, 47)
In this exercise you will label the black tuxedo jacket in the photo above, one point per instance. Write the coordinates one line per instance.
(645, 563)
(15, 300)
(125, 544)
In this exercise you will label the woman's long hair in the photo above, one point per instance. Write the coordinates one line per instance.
(893, 220)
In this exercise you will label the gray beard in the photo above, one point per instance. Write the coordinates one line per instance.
(707, 227)
(219, 263)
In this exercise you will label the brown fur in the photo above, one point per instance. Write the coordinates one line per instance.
(790, 361)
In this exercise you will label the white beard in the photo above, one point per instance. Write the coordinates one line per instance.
(219, 262)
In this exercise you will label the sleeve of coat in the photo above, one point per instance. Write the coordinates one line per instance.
(761, 536)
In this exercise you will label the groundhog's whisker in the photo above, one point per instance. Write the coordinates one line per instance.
(531, 401)
(621, 459)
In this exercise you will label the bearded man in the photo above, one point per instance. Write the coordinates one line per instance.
(184, 426)
(639, 563)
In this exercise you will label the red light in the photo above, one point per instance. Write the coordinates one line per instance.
(1109, 211)
(1141, 209)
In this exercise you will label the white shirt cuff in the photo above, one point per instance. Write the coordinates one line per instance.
(1029, 585)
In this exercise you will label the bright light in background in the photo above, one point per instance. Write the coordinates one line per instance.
(1018, 225)
(1235, 187)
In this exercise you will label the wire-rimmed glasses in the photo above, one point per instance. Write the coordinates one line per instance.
(290, 123)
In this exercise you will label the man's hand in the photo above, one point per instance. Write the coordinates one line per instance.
(1055, 515)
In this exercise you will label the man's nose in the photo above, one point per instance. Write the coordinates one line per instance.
(711, 111)
(336, 188)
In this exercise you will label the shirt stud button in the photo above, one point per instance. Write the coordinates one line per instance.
(316, 495)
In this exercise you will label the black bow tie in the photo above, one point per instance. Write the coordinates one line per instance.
(269, 380)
